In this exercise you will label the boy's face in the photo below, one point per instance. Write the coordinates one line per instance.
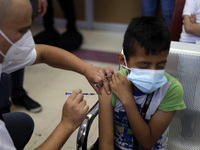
(142, 61)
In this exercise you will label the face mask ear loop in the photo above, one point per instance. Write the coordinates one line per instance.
(124, 58)
(2, 54)
(126, 67)
(6, 37)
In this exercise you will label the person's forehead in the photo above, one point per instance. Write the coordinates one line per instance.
(18, 20)
(141, 55)
(20, 15)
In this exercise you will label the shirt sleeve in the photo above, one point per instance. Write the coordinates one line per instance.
(189, 7)
(114, 97)
(173, 99)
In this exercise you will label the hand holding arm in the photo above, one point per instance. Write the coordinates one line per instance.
(73, 113)
(99, 77)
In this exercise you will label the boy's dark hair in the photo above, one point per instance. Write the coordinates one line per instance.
(149, 33)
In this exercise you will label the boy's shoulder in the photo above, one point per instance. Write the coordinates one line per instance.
(114, 97)
(122, 71)
(173, 80)
(175, 87)
(173, 99)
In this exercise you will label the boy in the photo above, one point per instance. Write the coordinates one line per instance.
(145, 98)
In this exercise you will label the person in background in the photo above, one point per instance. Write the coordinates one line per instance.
(71, 39)
(191, 22)
(150, 7)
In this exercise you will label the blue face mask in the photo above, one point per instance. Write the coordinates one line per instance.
(146, 80)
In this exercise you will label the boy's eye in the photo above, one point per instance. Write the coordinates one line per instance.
(160, 67)
(143, 68)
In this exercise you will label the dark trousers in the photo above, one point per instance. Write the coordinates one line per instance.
(11, 85)
(20, 127)
(69, 13)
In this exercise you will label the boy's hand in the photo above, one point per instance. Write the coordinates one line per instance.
(121, 87)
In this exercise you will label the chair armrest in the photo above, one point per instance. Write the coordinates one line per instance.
(83, 131)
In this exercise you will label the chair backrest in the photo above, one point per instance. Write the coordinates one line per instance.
(177, 20)
(183, 63)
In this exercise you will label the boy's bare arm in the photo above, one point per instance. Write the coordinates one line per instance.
(146, 134)
(106, 130)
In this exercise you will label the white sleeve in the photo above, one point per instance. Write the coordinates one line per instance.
(190, 7)
(6, 142)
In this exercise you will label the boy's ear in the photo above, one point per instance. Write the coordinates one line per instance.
(120, 58)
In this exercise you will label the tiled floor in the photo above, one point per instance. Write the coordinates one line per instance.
(48, 86)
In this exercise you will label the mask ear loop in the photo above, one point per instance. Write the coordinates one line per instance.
(120, 66)
(122, 52)
(126, 67)
(7, 40)
(6, 37)
(2, 54)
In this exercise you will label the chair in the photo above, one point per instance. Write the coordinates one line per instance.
(83, 131)
(185, 126)
(177, 20)
(183, 64)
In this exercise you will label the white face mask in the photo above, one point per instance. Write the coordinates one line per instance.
(19, 50)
